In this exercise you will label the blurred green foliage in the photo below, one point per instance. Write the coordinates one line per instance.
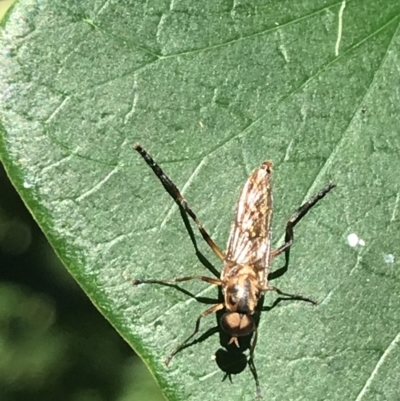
(54, 344)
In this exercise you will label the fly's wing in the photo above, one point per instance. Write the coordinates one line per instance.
(250, 238)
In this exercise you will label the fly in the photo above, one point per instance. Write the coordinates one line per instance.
(247, 260)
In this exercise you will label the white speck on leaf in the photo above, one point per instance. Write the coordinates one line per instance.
(388, 258)
(354, 240)
(27, 184)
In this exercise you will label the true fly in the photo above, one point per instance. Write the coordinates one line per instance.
(247, 260)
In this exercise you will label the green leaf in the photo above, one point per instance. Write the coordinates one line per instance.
(211, 89)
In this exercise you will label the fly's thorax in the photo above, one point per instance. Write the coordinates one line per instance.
(240, 290)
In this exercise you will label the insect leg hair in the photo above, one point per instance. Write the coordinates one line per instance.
(172, 189)
(297, 216)
(207, 312)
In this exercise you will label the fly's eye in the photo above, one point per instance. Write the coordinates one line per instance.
(237, 324)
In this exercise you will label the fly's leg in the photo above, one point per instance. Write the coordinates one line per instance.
(252, 366)
(178, 280)
(297, 216)
(172, 189)
(291, 296)
(214, 308)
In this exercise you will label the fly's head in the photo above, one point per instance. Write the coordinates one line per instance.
(241, 297)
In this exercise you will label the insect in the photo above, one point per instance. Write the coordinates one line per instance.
(247, 260)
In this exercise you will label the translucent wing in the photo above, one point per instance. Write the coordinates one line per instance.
(250, 238)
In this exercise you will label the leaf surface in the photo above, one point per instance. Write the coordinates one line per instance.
(212, 89)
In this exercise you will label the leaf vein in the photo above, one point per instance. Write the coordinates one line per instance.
(381, 361)
(97, 186)
(253, 35)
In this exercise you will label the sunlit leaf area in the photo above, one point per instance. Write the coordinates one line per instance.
(211, 89)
